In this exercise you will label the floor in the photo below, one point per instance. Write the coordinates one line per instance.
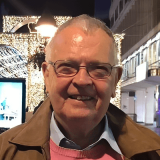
(153, 127)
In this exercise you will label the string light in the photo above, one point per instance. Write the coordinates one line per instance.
(117, 100)
(23, 45)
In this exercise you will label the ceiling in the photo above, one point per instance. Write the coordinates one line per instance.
(56, 7)
(148, 82)
(97, 8)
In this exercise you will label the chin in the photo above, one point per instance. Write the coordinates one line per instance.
(81, 114)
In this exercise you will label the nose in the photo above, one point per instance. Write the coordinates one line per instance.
(82, 78)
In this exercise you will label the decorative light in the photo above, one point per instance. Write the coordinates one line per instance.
(46, 30)
(117, 100)
(26, 44)
(12, 63)
(46, 25)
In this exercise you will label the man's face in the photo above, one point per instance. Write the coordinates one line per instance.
(80, 97)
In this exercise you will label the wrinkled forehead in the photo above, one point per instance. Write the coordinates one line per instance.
(73, 30)
(76, 36)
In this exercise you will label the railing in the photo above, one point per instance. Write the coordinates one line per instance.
(154, 65)
(154, 69)
(129, 76)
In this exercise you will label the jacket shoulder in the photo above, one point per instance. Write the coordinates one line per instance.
(7, 136)
(11, 133)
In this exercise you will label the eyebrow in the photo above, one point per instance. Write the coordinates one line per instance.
(91, 62)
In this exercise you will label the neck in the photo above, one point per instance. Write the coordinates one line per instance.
(83, 135)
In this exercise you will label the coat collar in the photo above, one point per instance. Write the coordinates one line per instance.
(131, 137)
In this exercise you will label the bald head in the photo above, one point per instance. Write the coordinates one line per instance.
(88, 25)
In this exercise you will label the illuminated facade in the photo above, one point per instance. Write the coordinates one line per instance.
(25, 46)
(140, 21)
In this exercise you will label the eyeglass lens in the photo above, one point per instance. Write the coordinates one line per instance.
(69, 68)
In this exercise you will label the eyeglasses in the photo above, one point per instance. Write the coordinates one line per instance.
(70, 68)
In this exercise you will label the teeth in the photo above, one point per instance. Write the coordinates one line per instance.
(82, 97)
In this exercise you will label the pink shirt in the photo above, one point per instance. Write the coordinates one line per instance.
(102, 151)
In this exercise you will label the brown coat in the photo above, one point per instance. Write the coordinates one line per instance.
(30, 141)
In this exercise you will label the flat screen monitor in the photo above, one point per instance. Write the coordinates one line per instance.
(12, 102)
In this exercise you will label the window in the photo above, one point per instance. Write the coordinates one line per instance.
(130, 68)
(126, 69)
(149, 55)
(133, 66)
(144, 52)
(112, 21)
(158, 43)
(123, 73)
(154, 52)
(158, 47)
(142, 57)
(137, 59)
(120, 6)
(116, 13)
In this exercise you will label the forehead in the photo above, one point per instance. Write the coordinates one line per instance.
(75, 41)
(78, 34)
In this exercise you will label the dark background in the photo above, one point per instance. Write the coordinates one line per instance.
(96, 8)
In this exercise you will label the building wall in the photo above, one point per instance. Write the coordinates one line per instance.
(150, 106)
(141, 18)
(140, 21)
(127, 104)
(140, 105)
(149, 53)
(143, 105)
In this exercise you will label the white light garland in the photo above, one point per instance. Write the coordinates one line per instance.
(12, 66)
(117, 100)
(12, 63)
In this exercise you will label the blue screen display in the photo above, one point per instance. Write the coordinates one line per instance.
(10, 104)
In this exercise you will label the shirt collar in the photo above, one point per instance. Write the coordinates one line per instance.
(56, 135)
(108, 136)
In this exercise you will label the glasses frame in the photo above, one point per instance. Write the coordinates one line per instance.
(53, 65)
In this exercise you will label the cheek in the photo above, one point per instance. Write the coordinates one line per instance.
(104, 89)
(104, 92)
(58, 90)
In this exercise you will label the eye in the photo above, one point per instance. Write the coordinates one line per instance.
(65, 68)
(100, 71)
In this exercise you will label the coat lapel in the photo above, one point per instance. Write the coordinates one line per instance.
(131, 137)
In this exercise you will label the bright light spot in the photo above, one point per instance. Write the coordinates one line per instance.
(78, 38)
(46, 30)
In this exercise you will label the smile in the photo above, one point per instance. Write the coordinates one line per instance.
(81, 98)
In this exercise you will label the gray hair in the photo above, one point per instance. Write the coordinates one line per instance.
(88, 25)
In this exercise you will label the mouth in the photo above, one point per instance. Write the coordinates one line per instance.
(81, 98)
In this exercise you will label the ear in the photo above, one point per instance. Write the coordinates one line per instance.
(44, 68)
(118, 74)
(45, 74)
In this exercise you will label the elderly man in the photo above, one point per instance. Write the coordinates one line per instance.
(77, 121)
